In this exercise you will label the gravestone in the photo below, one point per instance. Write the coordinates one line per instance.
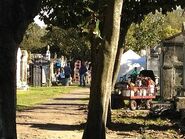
(172, 66)
(19, 55)
(48, 55)
(39, 71)
(22, 66)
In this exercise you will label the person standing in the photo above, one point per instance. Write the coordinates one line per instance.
(134, 75)
(82, 72)
(67, 72)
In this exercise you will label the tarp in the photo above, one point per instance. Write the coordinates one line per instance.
(129, 60)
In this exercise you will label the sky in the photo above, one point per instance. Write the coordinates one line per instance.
(39, 22)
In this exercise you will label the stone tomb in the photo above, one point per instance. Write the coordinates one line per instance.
(22, 66)
(172, 66)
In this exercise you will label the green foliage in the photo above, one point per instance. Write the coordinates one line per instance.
(65, 13)
(85, 15)
(32, 38)
(145, 34)
(88, 15)
(168, 31)
(67, 42)
(153, 29)
(135, 10)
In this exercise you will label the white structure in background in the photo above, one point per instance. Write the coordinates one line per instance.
(44, 73)
(143, 53)
(48, 55)
(19, 54)
(39, 22)
(22, 65)
(129, 60)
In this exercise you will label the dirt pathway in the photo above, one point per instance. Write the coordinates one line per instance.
(59, 118)
(64, 118)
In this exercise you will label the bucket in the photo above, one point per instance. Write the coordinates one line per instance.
(131, 93)
(144, 92)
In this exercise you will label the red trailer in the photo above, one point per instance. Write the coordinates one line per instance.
(138, 94)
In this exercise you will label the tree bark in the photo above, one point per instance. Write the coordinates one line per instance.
(123, 32)
(8, 49)
(101, 84)
(15, 15)
(115, 75)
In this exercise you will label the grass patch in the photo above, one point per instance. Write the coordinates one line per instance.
(37, 95)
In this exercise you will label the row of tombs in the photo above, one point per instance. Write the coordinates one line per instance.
(38, 70)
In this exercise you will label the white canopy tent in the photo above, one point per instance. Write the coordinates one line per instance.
(129, 60)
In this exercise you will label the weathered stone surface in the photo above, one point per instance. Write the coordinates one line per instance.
(180, 103)
(172, 63)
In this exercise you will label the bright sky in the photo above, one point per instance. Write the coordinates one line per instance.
(39, 22)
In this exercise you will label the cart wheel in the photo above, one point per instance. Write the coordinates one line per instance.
(148, 104)
(133, 105)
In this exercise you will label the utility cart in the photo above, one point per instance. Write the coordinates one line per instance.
(139, 94)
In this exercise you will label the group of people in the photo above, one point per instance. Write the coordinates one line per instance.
(63, 75)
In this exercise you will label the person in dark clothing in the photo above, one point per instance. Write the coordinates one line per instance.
(134, 75)
(82, 72)
(67, 72)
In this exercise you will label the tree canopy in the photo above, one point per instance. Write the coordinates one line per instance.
(67, 42)
(88, 15)
(154, 28)
(65, 13)
(32, 38)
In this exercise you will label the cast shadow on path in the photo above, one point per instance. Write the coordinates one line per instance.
(51, 126)
(55, 127)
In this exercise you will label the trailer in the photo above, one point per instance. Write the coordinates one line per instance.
(138, 94)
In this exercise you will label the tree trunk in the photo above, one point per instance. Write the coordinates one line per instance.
(109, 114)
(103, 63)
(123, 32)
(119, 53)
(14, 19)
(8, 84)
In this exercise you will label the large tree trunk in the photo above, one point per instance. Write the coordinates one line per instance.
(103, 63)
(14, 18)
(123, 32)
(8, 84)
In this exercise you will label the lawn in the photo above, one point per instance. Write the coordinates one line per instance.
(37, 95)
